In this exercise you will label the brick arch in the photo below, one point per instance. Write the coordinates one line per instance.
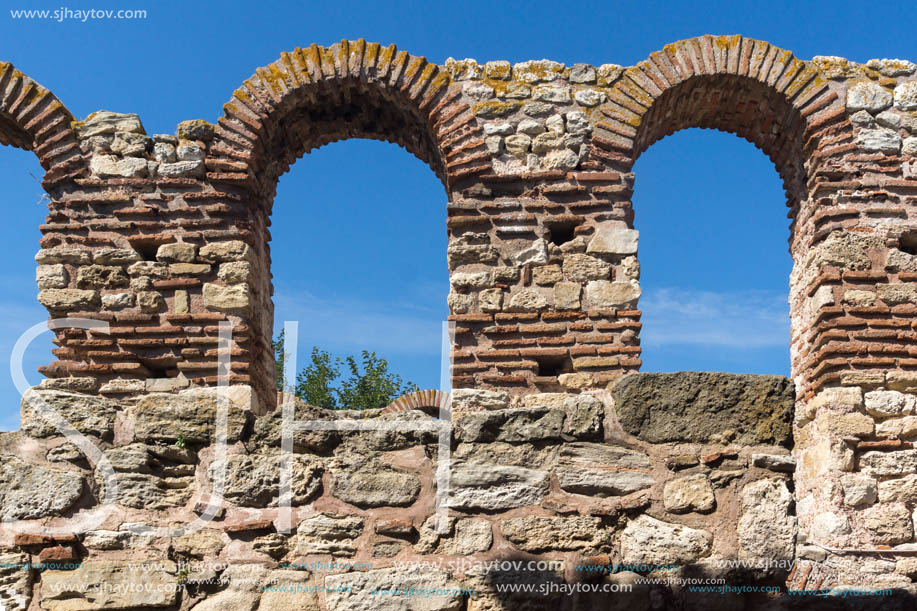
(32, 118)
(352, 89)
(432, 401)
(748, 87)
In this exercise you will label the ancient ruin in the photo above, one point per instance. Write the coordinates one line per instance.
(561, 452)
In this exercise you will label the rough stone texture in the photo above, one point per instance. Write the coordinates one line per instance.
(30, 491)
(518, 425)
(191, 415)
(537, 161)
(88, 414)
(691, 493)
(534, 535)
(647, 540)
(375, 486)
(705, 407)
(766, 528)
(466, 536)
(15, 583)
(495, 487)
(600, 470)
(352, 591)
(254, 481)
(159, 574)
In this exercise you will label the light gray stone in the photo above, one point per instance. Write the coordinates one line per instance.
(513, 425)
(328, 534)
(537, 252)
(614, 240)
(900, 462)
(254, 481)
(109, 166)
(176, 252)
(477, 280)
(889, 403)
(647, 540)
(846, 250)
(902, 489)
(879, 141)
(474, 398)
(766, 529)
(106, 122)
(906, 96)
(88, 414)
(181, 168)
(601, 470)
(289, 591)
(351, 591)
(15, 582)
(517, 144)
(51, 276)
(585, 414)
(231, 250)
(375, 485)
(29, 491)
(458, 254)
(494, 487)
(465, 536)
(859, 489)
(868, 96)
(567, 295)
(118, 301)
(62, 254)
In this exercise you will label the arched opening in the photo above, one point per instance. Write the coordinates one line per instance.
(358, 256)
(315, 96)
(714, 263)
(25, 207)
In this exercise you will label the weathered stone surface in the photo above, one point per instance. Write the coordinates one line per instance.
(158, 577)
(537, 252)
(906, 96)
(107, 540)
(115, 256)
(236, 297)
(15, 582)
(618, 294)
(190, 415)
(52, 276)
(495, 487)
(781, 463)
(110, 166)
(691, 493)
(647, 540)
(62, 254)
(567, 295)
(267, 434)
(235, 271)
(516, 425)
(458, 254)
(472, 398)
(844, 249)
(232, 250)
(477, 280)
(527, 300)
(859, 489)
(889, 403)
(375, 485)
(541, 534)
(903, 489)
(64, 300)
(466, 536)
(106, 122)
(601, 470)
(101, 276)
(254, 481)
(89, 414)
(546, 275)
(614, 240)
(118, 301)
(582, 268)
(889, 523)
(352, 591)
(702, 407)
(176, 252)
(900, 462)
(766, 529)
(585, 415)
(289, 591)
(868, 96)
(843, 425)
(328, 534)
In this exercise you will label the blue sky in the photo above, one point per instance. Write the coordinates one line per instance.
(355, 219)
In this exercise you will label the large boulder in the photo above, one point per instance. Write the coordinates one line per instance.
(700, 407)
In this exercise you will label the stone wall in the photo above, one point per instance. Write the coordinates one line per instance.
(165, 237)
(576, 479)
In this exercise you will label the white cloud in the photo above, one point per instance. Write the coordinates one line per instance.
(402, 327)
(748, 319)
